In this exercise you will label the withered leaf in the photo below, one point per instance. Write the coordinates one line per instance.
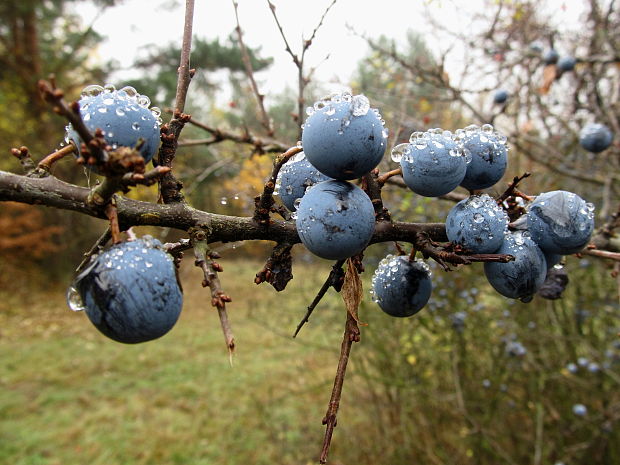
(352, 291)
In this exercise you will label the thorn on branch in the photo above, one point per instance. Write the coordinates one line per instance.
(205, 261)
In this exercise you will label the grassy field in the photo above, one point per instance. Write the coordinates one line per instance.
(429, 388)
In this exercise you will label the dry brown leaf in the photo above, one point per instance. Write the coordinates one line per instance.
(549, 75)
(352, 291)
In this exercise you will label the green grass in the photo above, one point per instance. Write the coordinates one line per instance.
(70, 396)
(415, 390)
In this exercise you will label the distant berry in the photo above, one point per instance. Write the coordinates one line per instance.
(500, 96)
(567, 63)
(595, 137)
(551, 57)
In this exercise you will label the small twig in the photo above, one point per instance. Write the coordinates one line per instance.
(249, 71)
(102, 241)
(112, 213)
(351, 335)
(333, 280)
(602, 254)
(23, 155)
(47, 163)
(205, 261)
(265, 201)
(512, 188)
(383, 178)
(55, 96)
(169, 186)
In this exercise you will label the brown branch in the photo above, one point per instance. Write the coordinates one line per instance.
(47, 163)
(351, 335)
(265, 201)
(247, 63)
(334, 280)
(169, 186)
(53, 192)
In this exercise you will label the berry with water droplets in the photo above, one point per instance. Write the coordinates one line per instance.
(343, 137)
(130, 292)
(401, 287)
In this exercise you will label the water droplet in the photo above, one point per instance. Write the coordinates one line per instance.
(109, 88)
(487, 128)
(478, 218)
(120, 111)
(360, 105)
(135, 126)
(330, 110)
(91, 91)
(310, 111)
(148, 264)
(144, 101)
(86, 117)
(224, 201)
(102, 110)
(399, 151)
(74, 300)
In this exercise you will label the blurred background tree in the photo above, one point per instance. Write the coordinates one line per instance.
(474, 378)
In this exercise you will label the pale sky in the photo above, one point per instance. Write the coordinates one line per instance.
(135, 23)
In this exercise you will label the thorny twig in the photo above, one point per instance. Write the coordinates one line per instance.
(334, 280)
(95, 249)
(278, 269)
(205, 260)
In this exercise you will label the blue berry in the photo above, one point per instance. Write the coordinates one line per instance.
(551, 57)
(489, 156)
(566, 63)
(335, 219)
(401, 287)
(130, 292)
(432, 163)
(124, 117)
(343, 137)
(478, 224)
(500, 96)
(580, 410)
(595, 137)
(295, 177)
(521, 278)
(560, 222)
